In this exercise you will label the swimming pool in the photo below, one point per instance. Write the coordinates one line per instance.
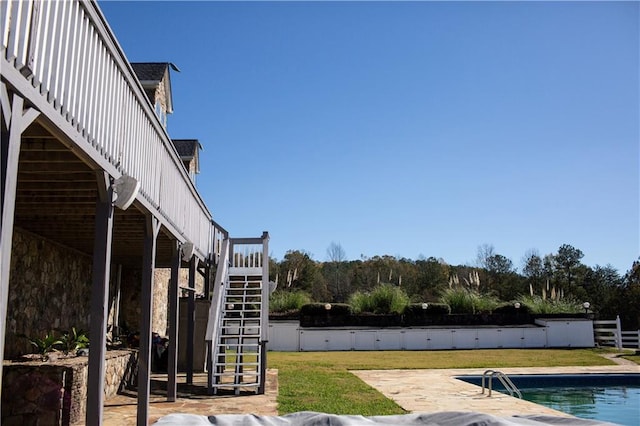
(608, 397)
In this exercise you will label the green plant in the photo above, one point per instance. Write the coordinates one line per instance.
(288, 301)
(360, 302)
(73, 340)
(383, 299)
(540, 305)
(466, 301)
(459, 299)
(485, 303)
(45, 345)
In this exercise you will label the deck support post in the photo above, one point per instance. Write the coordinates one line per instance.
(15, 120)
(191, 317)
(152, 227)
(172, 364)
(99, 299)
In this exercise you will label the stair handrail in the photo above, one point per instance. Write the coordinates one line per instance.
(264, 311)
(504, 379)
(222, 276)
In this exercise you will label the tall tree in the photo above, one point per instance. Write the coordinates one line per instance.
(337, 255)
(629, 304)
(602, 286)
(567, 263)
(533, 270)
(502, 278)
(485, 252)
(299, 271)
(499, 264)
(432, 278)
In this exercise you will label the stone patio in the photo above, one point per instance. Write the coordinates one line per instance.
(122, 409)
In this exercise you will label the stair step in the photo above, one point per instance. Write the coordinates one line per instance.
(234, 385)
(231, 366)
(237, 324)
(234, 375)
(248, 337)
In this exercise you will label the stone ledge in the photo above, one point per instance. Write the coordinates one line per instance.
(55, 392)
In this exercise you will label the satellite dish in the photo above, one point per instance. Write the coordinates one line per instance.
(187, 251)
(272, 286)
(126, 189)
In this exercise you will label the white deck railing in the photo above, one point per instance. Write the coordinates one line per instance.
(69, 57)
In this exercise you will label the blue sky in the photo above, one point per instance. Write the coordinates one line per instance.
(408, 128)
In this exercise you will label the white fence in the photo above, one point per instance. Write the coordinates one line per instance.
(610, 333)
(630, 339)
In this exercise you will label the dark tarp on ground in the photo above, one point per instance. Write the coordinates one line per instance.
(449, 418)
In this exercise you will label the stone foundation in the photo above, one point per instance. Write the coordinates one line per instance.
(49, 289)
(55, 392)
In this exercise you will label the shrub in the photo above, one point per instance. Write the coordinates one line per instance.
(538, 305)
(458, 299)
(288, 301)
(466, 301)
(484, 303)
(360, 302)
(383, 299)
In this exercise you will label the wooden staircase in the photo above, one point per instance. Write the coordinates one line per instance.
(238, 318)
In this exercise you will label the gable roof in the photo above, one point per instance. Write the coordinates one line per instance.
(187, 147)
(151, 75)
(150, 71)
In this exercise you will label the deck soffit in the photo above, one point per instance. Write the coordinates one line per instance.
(56, 199)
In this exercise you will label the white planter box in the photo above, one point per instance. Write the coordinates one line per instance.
(547, 333)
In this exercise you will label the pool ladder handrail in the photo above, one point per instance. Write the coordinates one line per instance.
(504, 379)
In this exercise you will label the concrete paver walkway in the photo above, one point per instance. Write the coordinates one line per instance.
(428, 391)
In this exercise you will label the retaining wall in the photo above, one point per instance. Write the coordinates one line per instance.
(548, 333)
(55, 392)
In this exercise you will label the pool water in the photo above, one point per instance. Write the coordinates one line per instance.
(615, 404)
(611, 398)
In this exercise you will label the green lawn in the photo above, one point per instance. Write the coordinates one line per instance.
(633, 357)
(320, 381)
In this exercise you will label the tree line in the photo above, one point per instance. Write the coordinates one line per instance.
(560, 275)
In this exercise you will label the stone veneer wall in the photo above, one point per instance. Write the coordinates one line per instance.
(161, 295)
(49, 288)
(55, 392)
(130, 306)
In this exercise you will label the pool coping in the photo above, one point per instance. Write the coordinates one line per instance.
(433, 390)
